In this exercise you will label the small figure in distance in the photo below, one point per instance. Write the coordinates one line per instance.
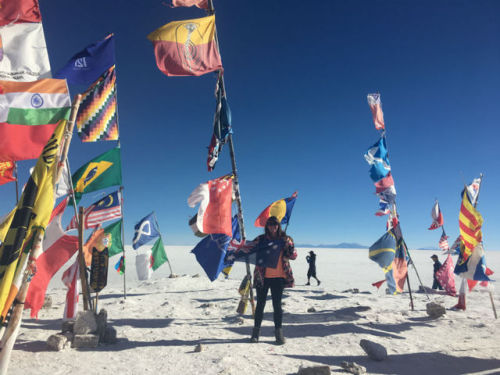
(437, 266)
(311, 272)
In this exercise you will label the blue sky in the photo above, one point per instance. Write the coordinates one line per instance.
(297, 74)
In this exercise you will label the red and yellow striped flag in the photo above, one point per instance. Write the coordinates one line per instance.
(470, 222)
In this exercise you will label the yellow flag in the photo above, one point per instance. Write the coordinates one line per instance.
(33, 210)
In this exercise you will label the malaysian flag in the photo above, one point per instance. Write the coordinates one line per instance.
(108, 208)
(443, 242)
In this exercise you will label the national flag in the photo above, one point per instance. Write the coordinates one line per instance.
(473, 190)
(384, 208)
(120, 265)
(109, 237)
(474, 267)
(383, 252)
(158, 254)
(24, 54)
(443, 241)
(29, 114)
(97, 118)
(145, 231)
(115, 231)
(378, 158)
(384, 183)
(62, 186)
(33, 211)
(101, 172)
(6, 172)
(437, 217)
(20, 11)
(186, 48)
(214, 212)
(473, 283)
(281, 209)
(71, 278)
(470, 222)
(376, 107)
(58, 249)
(210, 252)
(400, 263)
(202, 4)
(222, 125)
(446, 277)
(105, 209)
(87, 65)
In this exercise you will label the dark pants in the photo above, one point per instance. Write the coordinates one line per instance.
(276, 285)
(436, 285)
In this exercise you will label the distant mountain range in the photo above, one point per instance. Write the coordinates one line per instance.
(342, 245)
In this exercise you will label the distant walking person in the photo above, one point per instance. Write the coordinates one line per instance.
(437, 266)
(311, 272)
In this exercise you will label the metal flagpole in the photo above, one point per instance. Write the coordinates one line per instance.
(235, 174)
(17, 184)
(158, 226)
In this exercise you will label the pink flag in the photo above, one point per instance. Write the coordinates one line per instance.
(437, 217)
(446, 277)
(202, 4)
(378, 284)
(376, 107)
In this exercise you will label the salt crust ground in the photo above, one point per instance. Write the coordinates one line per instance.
(162, 320)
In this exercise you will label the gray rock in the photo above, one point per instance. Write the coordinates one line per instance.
(69, 335)
(435, 310)
(173, 276)
(110, 336)
(198, 348)
(67, 326)
(47, 303)
(57, 342)
(85, 323)
(86, 341)
(375, 351)
(196, 275)
(353, 368)
(314, 370)
(102, 323)
(311, 309)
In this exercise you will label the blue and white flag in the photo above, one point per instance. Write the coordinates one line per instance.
(145, 231)
(383, 251)
(87, 65)
(378, 158)
(474, 268)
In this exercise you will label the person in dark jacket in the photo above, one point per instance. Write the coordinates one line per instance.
(311, 272)
(437, 266)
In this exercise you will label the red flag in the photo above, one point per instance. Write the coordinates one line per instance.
(437, 217)
(19, 11)
(446, 277)
(376, 108)
(71, 278)
(6, 172)
(473, 283)
(378, 284)
(202, 4)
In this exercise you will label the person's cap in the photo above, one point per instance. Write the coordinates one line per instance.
(434, 256)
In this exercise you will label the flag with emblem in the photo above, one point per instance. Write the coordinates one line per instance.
(443, 241)
(158, 254)
(87, 65)
(33, 211)
(281, 209)
(101, 172)
(105, 209)
(97, 118)
(120, 265)
(145, 231)
(29, 114)
(6, 172)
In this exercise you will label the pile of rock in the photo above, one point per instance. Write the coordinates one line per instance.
(87, 331)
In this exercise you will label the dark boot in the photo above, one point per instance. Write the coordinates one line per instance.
(255, 335)
(278, 333)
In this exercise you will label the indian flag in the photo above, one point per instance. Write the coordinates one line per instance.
(29, 113)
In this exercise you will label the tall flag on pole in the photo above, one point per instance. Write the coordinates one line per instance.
(470, 222)
(376, 107)
(101, 172)
(214, 212)
(87, 65)
(105, 209)
(437, 217)
(33, 211)
(6, 172)
(97, 118)
(29, 114)
(23, 52)
(145, 231)
(281, 209)
(202, 4)
(443, 242)
(186, 48)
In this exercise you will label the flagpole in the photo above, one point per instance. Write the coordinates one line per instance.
(123, 239)
(17, 179)
(236, 185)
(159, 232)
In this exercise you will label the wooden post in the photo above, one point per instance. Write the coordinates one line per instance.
(123, 249)
(81, 262)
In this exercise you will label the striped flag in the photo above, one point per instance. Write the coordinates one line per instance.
(443, 242)
(105, 209)
(97, 118)
(470, 222)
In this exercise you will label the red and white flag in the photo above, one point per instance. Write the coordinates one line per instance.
(71, 278)
(376, 108)
(214, 212)
(105, 209)
(443, 242)
(202, 4)
(437, 217)
(446, 277)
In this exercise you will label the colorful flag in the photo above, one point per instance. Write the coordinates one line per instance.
(474, 267)
(378, 158)
(115, 246)
(446, 277)
(108, 237)
(58, 249)
(399, 264)
(87, 65)
(158, 254)
(281, 209)
(443, 242)
(145, 231)
(101, 172)
(24, 54)
(33, 211)
(214, 212)
(97, 118)
(437, 217)
(384, 183)
(19, 11)
(202, 4)
(120, 265)
(376, 108)
(186, 48)
(29, 114)
(6, 172)
(473, 283)
(383, 252)
(105, 209)
(470, 222)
